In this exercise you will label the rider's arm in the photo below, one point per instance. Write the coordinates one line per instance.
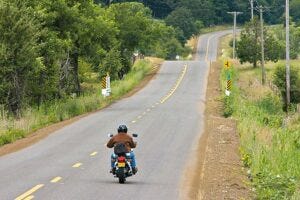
(110, 143)
(132, 143)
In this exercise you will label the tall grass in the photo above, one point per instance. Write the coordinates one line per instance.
(49, 113)
(269, 147)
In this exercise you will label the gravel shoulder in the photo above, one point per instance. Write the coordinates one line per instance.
(222, 175)
(216, 170)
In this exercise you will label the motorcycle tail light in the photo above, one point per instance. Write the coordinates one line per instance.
(121, 159)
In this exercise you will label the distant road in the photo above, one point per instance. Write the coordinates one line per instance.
(73, 163)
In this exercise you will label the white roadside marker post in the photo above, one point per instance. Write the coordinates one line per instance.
(106, 90)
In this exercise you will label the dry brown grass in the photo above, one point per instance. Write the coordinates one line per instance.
(192, 43)
(155, 61)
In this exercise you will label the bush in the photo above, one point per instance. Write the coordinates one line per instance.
(279, 79)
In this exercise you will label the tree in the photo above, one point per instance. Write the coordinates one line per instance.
(295, 10)
(279, 33)
(85, 32)
(279, 80)
(221, 8)
(132, 20)
(182, 19)
(201, 10)
(112, 64)
(19, 32)
(249, 46)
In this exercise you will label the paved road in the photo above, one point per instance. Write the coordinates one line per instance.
(168, 116)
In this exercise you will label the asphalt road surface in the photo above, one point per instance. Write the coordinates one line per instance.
(73, 163)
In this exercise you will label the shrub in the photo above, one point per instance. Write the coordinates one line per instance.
(279, 79)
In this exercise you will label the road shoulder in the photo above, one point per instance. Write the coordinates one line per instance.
(222, 176)
(215, 170)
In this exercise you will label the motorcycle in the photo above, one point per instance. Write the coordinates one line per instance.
(122, 164)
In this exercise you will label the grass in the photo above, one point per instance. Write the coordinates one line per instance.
(50, 113)
(270, 144)
(216, 28)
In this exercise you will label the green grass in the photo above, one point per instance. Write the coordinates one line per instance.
(216, 28)
(270, 147)
(50, 113)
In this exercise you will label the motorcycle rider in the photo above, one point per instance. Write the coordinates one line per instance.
(123, 137)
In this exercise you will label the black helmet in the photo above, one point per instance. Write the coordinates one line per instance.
(122, 129)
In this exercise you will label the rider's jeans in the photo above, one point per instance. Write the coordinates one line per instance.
(131, 155)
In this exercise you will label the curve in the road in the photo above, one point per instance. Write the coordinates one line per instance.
(73, 163)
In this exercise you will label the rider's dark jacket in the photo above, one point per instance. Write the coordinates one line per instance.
(122, 138)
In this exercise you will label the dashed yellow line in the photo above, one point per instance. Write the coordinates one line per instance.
(176, 86)
(77, 165)
(29, 192)
(94, 153)
(207, 48)
(56, 179)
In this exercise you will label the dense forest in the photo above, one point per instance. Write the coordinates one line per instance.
(211, 11)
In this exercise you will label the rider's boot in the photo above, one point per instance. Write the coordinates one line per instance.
(134, 170)
(113, 171)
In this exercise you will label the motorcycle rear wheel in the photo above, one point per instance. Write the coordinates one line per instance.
(122, 180)
(121, 175)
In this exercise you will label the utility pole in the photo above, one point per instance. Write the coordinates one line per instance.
(108, 2)
(252, 9)
(263, 71)
(234, 30)
(288, 81)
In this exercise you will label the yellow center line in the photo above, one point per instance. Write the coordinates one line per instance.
(56, 179)
(29, 197)
(29, 192)
(176, 86)
(94, 153)
(207, 48)
(77, 165)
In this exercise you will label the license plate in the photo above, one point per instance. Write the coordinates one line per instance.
(121, 164)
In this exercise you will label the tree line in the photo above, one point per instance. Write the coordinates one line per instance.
(44, 43)
(188, 16)
(215, 11)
